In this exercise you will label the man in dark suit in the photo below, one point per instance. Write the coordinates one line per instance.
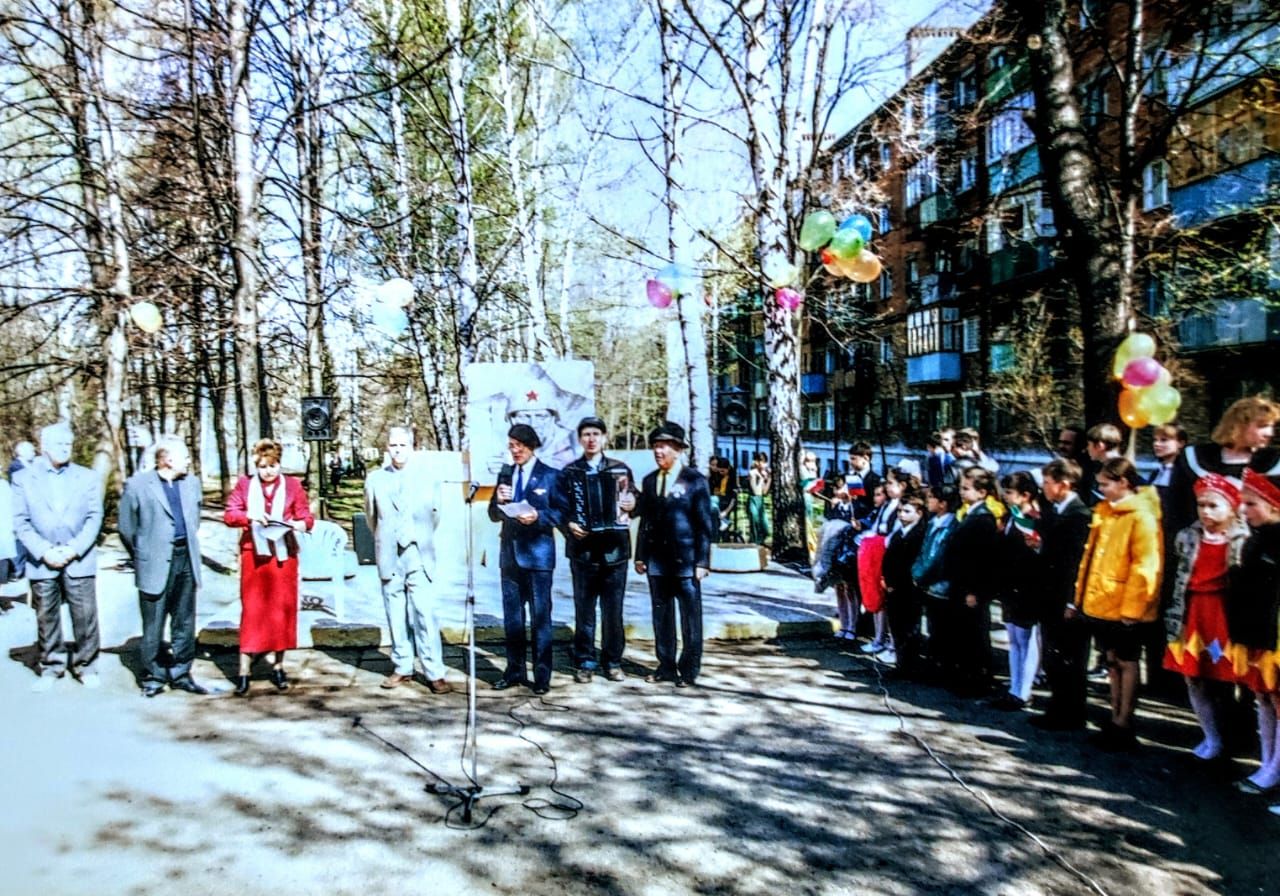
(1065, 529)
(598, 559)
(57, 517)
(160, 525)
(673, 548)
(527, 556)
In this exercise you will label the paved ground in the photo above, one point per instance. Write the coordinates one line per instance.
(791, 770)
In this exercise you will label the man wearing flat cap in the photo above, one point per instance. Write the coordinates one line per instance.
(673, 548)
(597, 550)
(527, 557)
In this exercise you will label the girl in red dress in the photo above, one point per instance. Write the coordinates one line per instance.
(272, 510)
(1196, 619)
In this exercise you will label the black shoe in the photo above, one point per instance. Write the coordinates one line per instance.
(279, 679)
(188, 684)
(152, 688)
(503, 683)
(242, 685)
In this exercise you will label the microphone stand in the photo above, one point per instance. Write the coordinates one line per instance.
(473, 791)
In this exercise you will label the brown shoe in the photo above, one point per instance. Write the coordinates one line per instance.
(439, 686)
(394, 680)
(615, 674)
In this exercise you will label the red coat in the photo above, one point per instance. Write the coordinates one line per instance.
(268, 587)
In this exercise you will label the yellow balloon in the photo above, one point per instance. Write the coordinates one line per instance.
(146, 316)
(1135, 345)
(1130, 411)
(1159, 404)
(862, 268)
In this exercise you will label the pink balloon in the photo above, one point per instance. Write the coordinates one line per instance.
(659, 295)
(788, 299)
(1141, 372)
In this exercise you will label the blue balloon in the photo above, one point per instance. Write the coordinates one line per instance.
(859, 224)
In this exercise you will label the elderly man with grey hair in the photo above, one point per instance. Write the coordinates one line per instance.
(57, 517)
(159, 522)
(404, 512)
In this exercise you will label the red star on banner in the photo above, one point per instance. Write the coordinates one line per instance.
(531, 395)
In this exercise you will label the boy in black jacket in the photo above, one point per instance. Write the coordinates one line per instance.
(903, 600)
(968, 562)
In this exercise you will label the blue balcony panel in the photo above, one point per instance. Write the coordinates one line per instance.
(1229, 193)
(813, 384)
(935, 367)
(1226, 322)
(1014, 170)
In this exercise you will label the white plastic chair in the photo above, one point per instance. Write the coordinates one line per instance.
(323, 556)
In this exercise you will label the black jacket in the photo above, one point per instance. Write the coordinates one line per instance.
(1194, 462)
(676, 531)
(1253, 607)
(900, 552)
(607, 548)
(1062, 540)
(971, 556)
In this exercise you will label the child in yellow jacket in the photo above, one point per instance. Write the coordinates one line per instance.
(1118, 586)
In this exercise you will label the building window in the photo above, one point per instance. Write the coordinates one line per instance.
(1092, 12)
(861, 292)
(928, 111)
(913, 271)
(1095, 103)
(965, 92)
(971, 415)
(886, 285)
(886, 155)
(972, 340)
(1008, 131)
(882, 220)
(886, 350)
(1155, 298)
(1155, 70)
(922, 179)
(932, 330)
(1002, 357)
(968, 172)
(1155, 185)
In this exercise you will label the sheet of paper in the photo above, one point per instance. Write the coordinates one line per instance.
(513, 509)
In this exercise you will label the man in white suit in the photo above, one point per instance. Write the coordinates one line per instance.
(57, 516)
(160, 526)
(404, 511)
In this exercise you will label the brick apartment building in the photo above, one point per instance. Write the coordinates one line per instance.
(971, 322)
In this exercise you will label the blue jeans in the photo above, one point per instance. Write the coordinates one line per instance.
(532, 587)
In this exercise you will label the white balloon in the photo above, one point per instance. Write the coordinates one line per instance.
(397, 291)
(146, 316)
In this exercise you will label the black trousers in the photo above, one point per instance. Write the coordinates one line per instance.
(81, 595)
(606, 584)
(665, 593)
(1066, 666)
(178, 603)
(972, 646)
(904, 606)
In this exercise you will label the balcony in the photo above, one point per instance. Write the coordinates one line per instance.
(1228, 322)
(1013, 170)
(938, 207)
(813, 384)
(1231, 192)
(1227, 61)
(1005, 82)
(1019, 260)
(935, 367)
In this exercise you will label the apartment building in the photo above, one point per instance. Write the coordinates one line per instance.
(973, 321)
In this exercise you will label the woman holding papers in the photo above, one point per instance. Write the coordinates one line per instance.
(271, 509)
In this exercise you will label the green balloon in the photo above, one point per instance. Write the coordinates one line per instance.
(846, 243)
(816, 231)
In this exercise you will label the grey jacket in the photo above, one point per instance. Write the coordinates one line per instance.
(403, 508)
(146, 527)
(8, 543)
(42, 521)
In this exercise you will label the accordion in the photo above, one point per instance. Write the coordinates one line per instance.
(593, 497)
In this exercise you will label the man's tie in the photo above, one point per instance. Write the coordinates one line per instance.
(662, 484)
(519, 495)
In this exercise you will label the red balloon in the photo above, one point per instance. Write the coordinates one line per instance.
(828, 257)
(1141, 372)
(659, 295)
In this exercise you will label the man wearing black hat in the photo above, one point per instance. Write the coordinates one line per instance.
(527, 557)
(673, 548)
(598, 551)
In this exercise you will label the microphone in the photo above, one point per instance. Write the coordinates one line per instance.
(471, 493)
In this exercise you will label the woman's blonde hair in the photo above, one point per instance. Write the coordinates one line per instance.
(1240, 415)
(268, 450)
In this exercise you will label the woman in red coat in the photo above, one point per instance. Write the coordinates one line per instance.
(271, 509)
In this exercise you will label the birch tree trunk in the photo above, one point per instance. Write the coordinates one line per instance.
(244, 239)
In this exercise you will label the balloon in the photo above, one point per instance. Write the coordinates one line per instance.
(659, 294)
(863, 267)
(1165, 378)
(1135, 345)
(1141, 372)
(679, 279)
(1130, 412)
(835, 268)
(817, 229)
(846, 243)
(859, 224)
(788, 298)
(1159, 404)
(779, 271)
(146, 317)
(397, 291)
(390, 320)
(828, 259)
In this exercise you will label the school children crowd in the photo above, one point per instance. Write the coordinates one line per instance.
(1182, 565)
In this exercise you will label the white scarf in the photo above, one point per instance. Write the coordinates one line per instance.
(262, 546)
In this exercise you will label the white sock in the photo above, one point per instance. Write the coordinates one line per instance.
(1202, 706)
